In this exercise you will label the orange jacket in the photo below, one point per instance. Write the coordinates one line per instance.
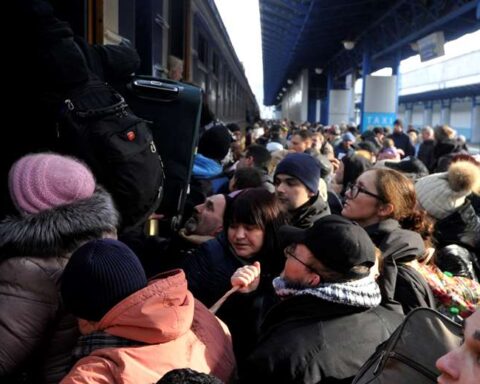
(180, 331)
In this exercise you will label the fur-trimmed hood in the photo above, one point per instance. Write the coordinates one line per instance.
(59, 231)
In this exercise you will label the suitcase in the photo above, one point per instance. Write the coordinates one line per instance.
(173, 111)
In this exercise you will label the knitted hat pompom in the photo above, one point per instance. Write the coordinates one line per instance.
(464, 176)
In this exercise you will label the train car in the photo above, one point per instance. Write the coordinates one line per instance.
(175, 38)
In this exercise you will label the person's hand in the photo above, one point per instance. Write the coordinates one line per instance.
(247, 278)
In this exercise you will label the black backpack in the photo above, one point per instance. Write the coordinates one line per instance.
(409, 355)
(97, 126)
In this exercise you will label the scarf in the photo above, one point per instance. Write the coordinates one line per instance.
(358, 293)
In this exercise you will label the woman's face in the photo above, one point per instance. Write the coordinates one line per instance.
(246, 239)
(363, 208)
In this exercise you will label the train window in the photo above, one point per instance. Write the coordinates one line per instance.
(202, 50)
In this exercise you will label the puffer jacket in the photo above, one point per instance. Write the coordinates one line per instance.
(172, 329)
(36, 334)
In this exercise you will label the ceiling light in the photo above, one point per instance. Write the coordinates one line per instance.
(284, 89)
(290, 81)
(318, 71)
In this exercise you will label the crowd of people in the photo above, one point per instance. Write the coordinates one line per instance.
(301, 250)
(316, 245)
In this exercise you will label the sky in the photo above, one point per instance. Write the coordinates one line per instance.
(242, 21)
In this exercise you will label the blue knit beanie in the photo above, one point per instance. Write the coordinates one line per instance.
(99, 275)
(302, 166)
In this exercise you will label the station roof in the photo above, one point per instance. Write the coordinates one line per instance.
(300, 34)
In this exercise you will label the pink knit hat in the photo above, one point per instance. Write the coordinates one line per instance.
(43, 181)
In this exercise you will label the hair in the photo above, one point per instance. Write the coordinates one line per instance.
(259, 207)
(388, 143)
(188, 376)
(353, 166)
(247, 178)
(261, 156)
(443, 132)
(304, 134)
(395, 188)
(398, 122)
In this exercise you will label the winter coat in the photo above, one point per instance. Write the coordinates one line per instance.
(305, 339)
(402, 141)
(443, 152)
(208, 271)
(305, 215)
(462, 227)
(37, 335)
(209, 268)
(425, 154)
(400, 283)
(172, 329)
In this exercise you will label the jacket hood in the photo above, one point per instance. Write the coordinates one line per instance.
(58, 231)
(205, 168)
(401, 244)
(159, 313)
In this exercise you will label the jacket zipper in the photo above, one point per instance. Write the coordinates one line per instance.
(413, 364)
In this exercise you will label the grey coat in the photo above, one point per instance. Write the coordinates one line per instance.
(37, 335)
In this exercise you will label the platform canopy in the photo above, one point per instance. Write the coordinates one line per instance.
(299, 34)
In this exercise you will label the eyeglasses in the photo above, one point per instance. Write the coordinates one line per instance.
(290, 252)
(355, 189)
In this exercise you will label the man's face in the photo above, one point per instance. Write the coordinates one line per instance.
(317, 142)
(291, 192)
(347, 144)
(426, 136)
(397, 128)
(462, 365)
(298, 145)
(245, 161)
(207, 218)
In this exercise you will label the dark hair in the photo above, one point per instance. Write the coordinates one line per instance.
(353, 166)
(398, 122)
(304, 134)
(396, 189)
(259, 207)
(261, 156)
(188, 376)
(247, 178)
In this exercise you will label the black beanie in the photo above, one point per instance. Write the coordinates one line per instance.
(99, 275)
(215, 142)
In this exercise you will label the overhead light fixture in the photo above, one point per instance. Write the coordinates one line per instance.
(348, 44)
(290, 81)
(284, 89)
(318, 71)
(414, 46)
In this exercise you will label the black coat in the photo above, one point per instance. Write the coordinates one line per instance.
(305, 339)
(305, 215)
(425, 154)
(400, 283)
(402, 141)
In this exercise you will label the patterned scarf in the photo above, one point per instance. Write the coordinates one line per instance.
(358, 293)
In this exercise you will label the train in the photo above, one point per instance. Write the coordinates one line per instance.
(185, 39)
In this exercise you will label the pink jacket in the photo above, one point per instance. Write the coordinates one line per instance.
(180, 331)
